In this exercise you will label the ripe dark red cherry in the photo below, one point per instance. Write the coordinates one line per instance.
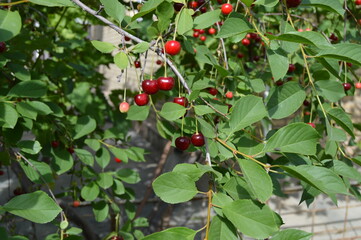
(137, 64)
(141, 99)
(240, 55)
(203, 9)
(193, 4)
(246, 42)
(172, 47)
(203, 38)
(256, 58)
(124, 107)
(150, 86)
(126, 38)
(117, 160)
(306, 103)
(291, 68)
(253, 35)
(312, 125)
(178, 6)
(197, 139)
(159, 62)
(346, 86)
(196, 34)
(76, 203)
(213, 91)
(70, 149)
(181, 101)
(333, 38)
(165, 83)
(358, 2)
(182, 143)
(18, 191)
(226, 8)
(293, 3)
(358, 85)
(1, 172)
(201, 31)
(2, 47)
(212, 31)
(279, 83)
(55, 144)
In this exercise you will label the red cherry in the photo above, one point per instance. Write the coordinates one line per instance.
(141, 99)
(76, 203)
(117, 238)
(253, 35)
(240, 55)
(256, 58)
(70, 149)
(18, 191)
(220, 23)
(246, 42)
(1, 172)
(306, 103)
(55, 144)
(201, 31)
(212, 31)
(195, 30)
(203, 9)
(359, 21)
(308, 29)
(248, 36)
(333, 38)
(203, 38)
(2, 47)
(307, 113)
(291, 68)
(181, 101)
(159, 62)
(300, 30)
(197, 139)
(349, 64)
(312, 125)
(293, 3)
(279, 83)
(178, 6)
(289, 79)
(346, 86)
(137, 64)
(182, 143)
(213, 91)
(196, 34)
(358, 85)
(165, 83)
(358, 2)
(229, 95)
(193, 4)
(124, 107)
(172, 47)
(220, 1)
(226, 8)
(118, 160)
(150, 86)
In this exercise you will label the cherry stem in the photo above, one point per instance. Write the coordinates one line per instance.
(165, 57)
(182, 126)
(196, 125)
(125, 84)
(14, 3)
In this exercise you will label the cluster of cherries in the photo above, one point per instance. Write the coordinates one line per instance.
(199, 33)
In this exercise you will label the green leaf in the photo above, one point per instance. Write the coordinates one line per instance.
(37, 207)
(118, 187)
(258, 180)
(252, 219)
(62, 161)
(105, 180)
(172, 111)
(121, 60)
(308, 37)
(207, 19)
(234, 26)
(138, 113)
(28, 146)
(114, 9)
(85, 156)
(342, 119)
(238, 188)
(321, 178)
(174, 187)
(103, 47)
(90, 192)
(278, 62)
(38, 89)
(329, 5)
(266, 3)
(222, 229)
(93, 144)
(32, 109)
(10, 24)
(285, 100)
(53, 3)
(246, 111)
(292, 234)
(189, 169)
(102, 157)
(348, 52)
(294, 138)
(345, 170)
(84, 126)
(206, 128)
(184, 20)
(19, 71)
(172, 234)
(119, 153)
(141, 47)
(331, 90)
(8, 115)
(148, 7)
(203, 109)
(100, 210)
(33, 175)
(128, 175)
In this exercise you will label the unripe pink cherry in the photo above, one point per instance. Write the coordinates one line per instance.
(124, 107)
